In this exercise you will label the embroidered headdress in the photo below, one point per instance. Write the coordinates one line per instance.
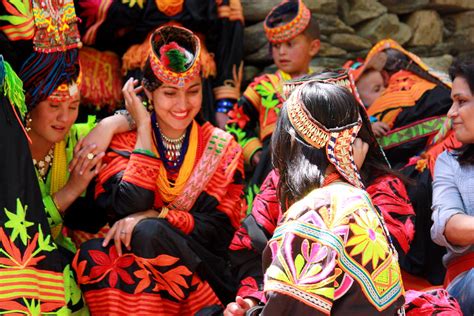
(286, 21)
(53, 31)
(174, 55)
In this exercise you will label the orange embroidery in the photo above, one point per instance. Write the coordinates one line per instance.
(170, 7)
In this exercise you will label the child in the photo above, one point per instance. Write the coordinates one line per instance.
(371, 82)
(294, 37)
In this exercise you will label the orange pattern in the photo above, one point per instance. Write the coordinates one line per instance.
(170, 7)
(182, 220)
(404, 89)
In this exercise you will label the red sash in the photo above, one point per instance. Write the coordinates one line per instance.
(458, 266)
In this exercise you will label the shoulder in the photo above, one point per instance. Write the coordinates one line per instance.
(124, 141)
(447, 160)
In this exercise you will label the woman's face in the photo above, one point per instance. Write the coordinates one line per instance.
(51, 120)
(462, 111)
(370, 86)
(176, 107)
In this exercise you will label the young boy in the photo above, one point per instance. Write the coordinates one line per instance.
(294, 37)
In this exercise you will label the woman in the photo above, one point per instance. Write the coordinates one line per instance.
(453, 208)
(384, 187)
(174, 190)
(331, 248)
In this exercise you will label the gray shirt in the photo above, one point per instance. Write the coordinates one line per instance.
(453, 193)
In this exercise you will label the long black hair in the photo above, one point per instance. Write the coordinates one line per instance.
(464, 68)
(301, 166)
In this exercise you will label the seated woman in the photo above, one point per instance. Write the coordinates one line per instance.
(386, 190)
(453, 204)
(331, 247)
(173, 189)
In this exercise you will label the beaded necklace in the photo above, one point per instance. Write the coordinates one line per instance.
(43, 165)
(171, 151)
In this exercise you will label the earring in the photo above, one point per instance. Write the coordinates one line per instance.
(148, 105)
(28, 123)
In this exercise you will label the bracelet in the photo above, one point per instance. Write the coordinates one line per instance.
(53, 197)
(131, 122)
(224, 105)
(164, 211)
(144, 152)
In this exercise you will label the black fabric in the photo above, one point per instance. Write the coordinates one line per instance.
(432, 103)
(424, 257)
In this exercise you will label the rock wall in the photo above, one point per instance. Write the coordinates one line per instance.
(436, 30)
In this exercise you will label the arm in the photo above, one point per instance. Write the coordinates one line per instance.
(242, 123)
(450, 222)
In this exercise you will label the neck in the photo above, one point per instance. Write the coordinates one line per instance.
(39, 147)
(172, 134)
(299, 74)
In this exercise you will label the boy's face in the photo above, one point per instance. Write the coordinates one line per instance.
(370, 86)
(294, 56)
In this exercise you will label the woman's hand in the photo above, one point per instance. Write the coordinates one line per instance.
(359, 149)
(121, 231)
(380, 129)
(86, 166)
(134, 104)
(239, 307)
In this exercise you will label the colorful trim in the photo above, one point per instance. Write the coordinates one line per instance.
(142, 170)
(416, 130)
(283, 33)
(166, 34)
(250, 148)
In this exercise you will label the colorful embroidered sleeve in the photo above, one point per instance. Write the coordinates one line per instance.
(127, 184)
(243, 123)
(390, 197)
(251, 238)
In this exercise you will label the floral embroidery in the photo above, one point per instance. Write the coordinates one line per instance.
(238, 116)
(271, 99)
(18, 223)
(369, 239)
(112, 264)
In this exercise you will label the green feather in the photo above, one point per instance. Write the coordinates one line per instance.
(177, 60)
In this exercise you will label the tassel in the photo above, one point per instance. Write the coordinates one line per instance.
(12, 87)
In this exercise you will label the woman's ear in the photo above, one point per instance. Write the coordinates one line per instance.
(314, 47)
(148, 94)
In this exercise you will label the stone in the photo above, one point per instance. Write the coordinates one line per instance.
(250, 72)
(380, 28)
(362, 10)
(327, 50)
(457, 22)
(463, 40)
(329, 24)
(403, 35)
(254, 38)
(451, 5)
(358, 54)
(440, 63)
(261, 57)
(350, 42)
(427, 28)
(256, 11)
(322, 6)
(431, 51)
(404, 6)
(327, 62)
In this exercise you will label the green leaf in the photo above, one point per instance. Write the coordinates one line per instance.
(18, 223)
(277, 274)
(299, 264)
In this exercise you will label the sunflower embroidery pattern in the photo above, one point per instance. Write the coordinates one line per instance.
(368, 239)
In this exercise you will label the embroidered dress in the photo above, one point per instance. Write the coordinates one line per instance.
(83, 214)
(331, 255)
(179, 262)
(35, 275)
(389, 197)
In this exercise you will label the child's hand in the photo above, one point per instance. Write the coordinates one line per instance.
(380, 129)
(239, 307)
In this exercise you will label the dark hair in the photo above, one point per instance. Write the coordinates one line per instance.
(464, 68)
(150, 82)
(301, 166)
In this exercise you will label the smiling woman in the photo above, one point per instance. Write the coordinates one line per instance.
(453, 194)
(173, 188)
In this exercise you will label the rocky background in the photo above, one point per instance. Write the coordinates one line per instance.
(435, 30)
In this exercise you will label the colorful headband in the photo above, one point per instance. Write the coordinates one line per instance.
(174, 55)
(64, 92)
(276, 31)
(336, 141)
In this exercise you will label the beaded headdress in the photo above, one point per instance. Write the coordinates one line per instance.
(337, 141)
(174, 55)
(286, 21)
(52, 28)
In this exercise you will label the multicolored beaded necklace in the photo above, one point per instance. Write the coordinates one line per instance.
(172, 151)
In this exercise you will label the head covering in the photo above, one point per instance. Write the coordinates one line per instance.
(286, 21)
(344, 78)
(357, 67)
(174, 55)
(337, 141)
(55, 49)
